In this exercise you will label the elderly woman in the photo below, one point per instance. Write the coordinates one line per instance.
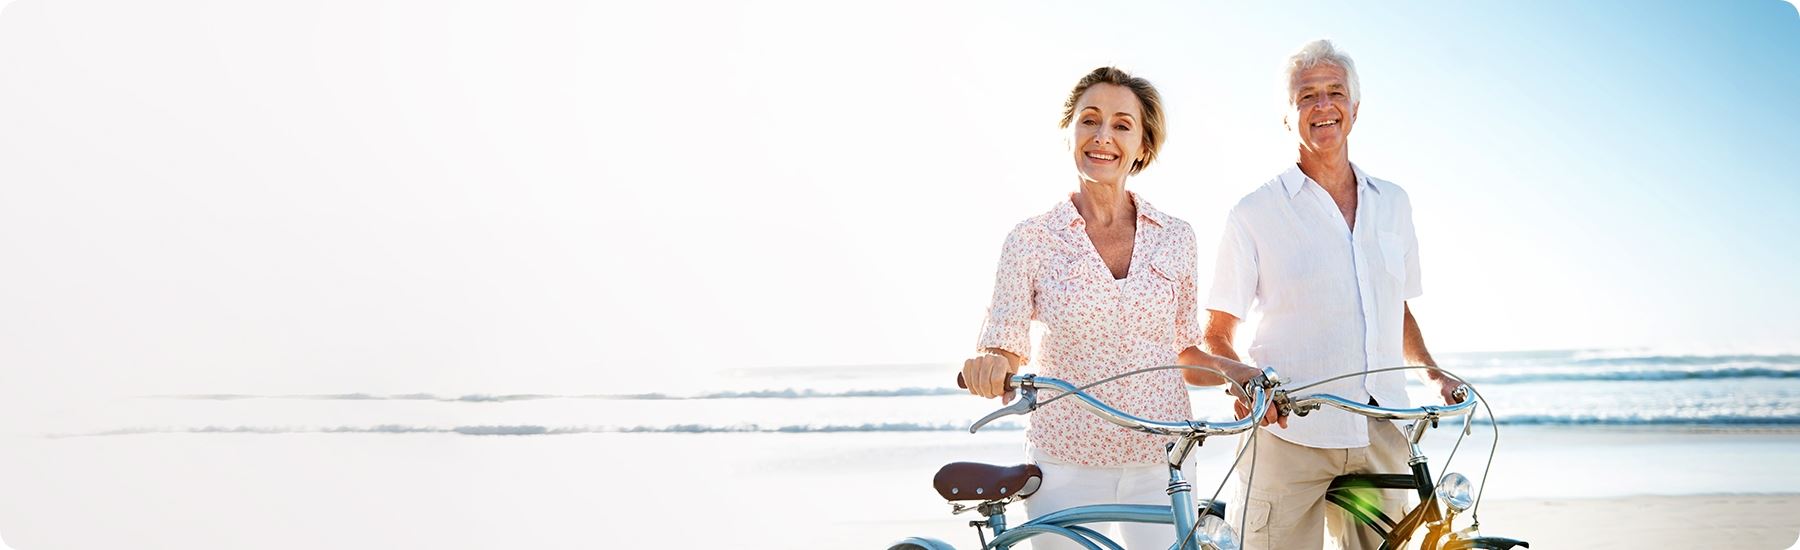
(1112, 280)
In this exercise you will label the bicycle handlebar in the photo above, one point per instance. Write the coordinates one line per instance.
(1027, 384)
(1308, 403)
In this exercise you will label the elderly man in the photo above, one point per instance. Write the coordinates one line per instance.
(1326, 253)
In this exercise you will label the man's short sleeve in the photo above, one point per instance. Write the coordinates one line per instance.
(1234, 272)
(1413, 287)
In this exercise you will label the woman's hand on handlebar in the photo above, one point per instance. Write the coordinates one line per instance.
(987, 374)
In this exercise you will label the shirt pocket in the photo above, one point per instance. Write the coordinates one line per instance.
(1158, 299)
(1063, 293)
(1169, 274)
(1393, 255)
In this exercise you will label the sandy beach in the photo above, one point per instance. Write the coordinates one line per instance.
(1703, 521)
(1722, 522)
(748, 490)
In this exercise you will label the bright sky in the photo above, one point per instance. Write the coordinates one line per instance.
(556, 196)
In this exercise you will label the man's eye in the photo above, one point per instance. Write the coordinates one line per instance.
(1337, 94)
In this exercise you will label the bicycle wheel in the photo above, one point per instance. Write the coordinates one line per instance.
(921, 543)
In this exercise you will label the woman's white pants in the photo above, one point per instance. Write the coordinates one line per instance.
(1070, 485)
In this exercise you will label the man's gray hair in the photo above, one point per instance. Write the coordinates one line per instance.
(1322, 52)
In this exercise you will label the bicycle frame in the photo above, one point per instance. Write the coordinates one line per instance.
(1393, 533)
(1194, 528)
(1396, 533)
(1182, 511)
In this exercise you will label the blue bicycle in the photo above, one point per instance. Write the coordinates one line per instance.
(1200, 524)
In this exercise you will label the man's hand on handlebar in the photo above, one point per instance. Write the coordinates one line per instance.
(1451, 390)
(1245, 377)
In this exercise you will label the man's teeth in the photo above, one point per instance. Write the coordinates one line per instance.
(1326, 123)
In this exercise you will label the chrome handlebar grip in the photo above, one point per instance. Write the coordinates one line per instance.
(1308, 403)
(1028, 385)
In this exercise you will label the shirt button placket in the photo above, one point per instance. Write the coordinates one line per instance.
(1364, 298)
(1118, 320)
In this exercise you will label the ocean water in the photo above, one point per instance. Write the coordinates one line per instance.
(1557, 388)
(813, 457)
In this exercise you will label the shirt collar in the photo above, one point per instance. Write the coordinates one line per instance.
(1293, 180)
(1065, 215)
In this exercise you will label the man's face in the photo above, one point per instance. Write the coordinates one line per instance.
(1323, 113)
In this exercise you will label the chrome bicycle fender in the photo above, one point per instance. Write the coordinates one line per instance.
(920, 543)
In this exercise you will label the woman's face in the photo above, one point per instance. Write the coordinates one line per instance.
(1107, 136)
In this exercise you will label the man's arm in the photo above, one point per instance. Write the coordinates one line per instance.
(1221, 328)
(1413, 347)
(1223, 359)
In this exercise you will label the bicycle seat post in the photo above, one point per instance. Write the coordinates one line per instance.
(1181, 493)
(995, 510)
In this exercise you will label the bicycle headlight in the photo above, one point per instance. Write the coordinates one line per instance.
(1218, 533)
(1455, 491)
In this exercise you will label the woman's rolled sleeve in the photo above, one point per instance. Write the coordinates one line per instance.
(1009, 315)
(1187, 325)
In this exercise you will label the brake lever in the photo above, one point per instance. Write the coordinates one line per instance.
(1026, 403)
(1270, 380)
(1462, 394)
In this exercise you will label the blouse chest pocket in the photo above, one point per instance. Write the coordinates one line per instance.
(1157, 300)
(1169, 274)
(1063, 292)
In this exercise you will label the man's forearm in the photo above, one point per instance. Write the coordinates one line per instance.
(1413, 346)
(1219, 346)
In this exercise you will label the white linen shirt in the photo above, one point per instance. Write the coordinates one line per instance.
(1331, 298)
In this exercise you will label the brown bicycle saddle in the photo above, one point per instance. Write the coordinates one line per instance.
(976, 481)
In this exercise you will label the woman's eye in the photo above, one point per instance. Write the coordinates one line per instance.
(1088, 122)
(1122, 128)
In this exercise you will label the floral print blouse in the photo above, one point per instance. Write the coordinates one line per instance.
(1096, 326)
